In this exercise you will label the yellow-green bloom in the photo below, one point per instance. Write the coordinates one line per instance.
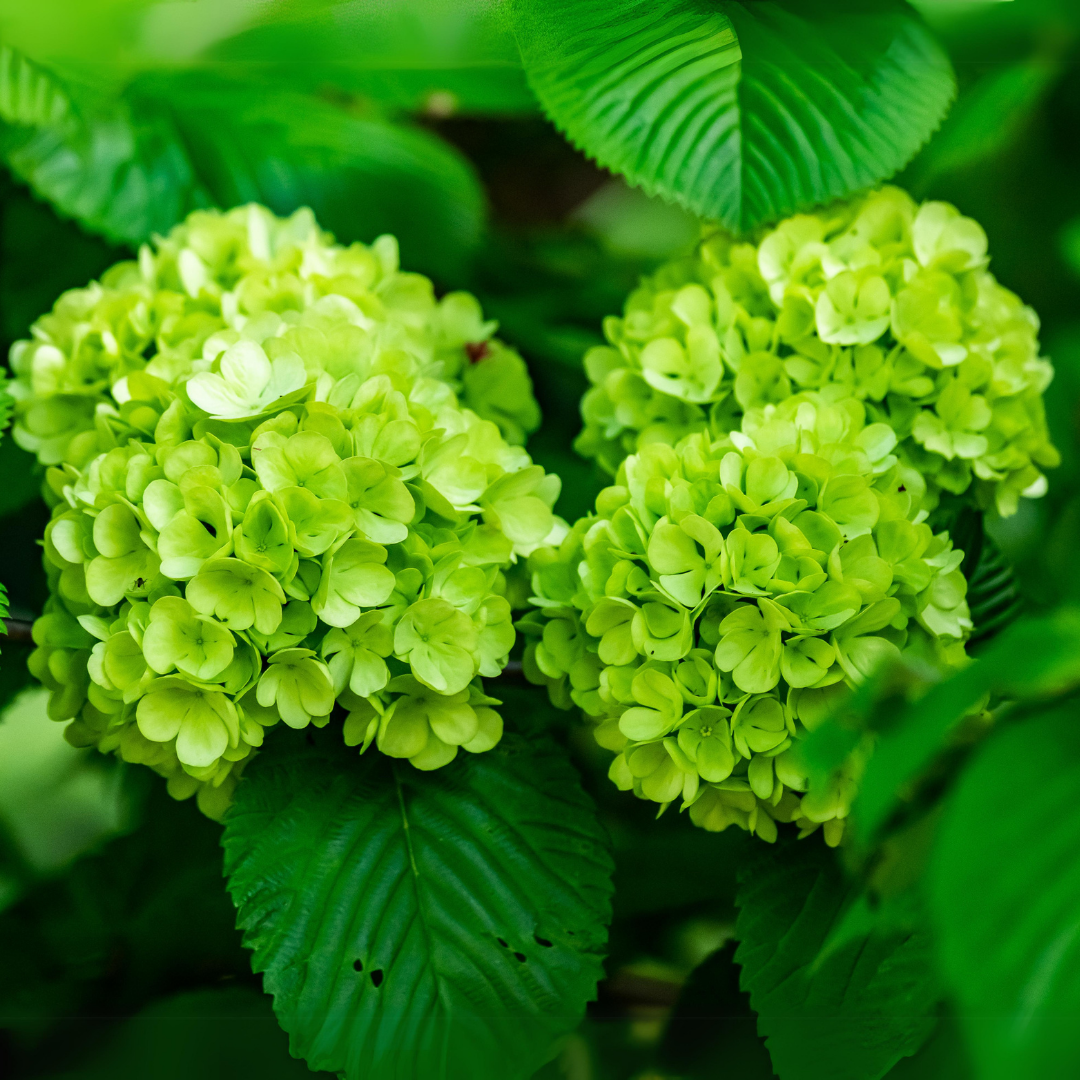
(251, 307)
(269, 500)
(729, 591)
(178, 637)
(879, 299)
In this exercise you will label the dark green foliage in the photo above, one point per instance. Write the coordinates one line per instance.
(663, 866)
(550, 292)
(133, 165)
(413, 924)
(993, 595)
(1005, 883)
(988, 119)
(1035, 658)
(848, 1015)
(713, 1030)
(993, 592)
(212, 1034)
(940, 942)
(23, 478)
(942, 1057)
(146, 916)
(31, 277)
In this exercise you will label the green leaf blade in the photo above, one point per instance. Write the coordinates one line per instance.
(627, 85)
(403, 56)
(249, 142)
(1005, 890)
(133, 165)
(740, 112)
(987, 120)
(28, 95)
(421, 924)
(117, 170)
(850, 1014)
(1033, 658)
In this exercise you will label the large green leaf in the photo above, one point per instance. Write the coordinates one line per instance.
(1005, 887)
(741, 111)
(118, 170)
(133, 165)
(361, 176)
(848, 1015)
(446, 924)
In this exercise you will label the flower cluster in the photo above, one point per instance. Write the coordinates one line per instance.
(269, 500)
(218, 277)
(728, 593)
(878, 299)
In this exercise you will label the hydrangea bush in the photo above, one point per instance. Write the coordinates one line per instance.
(728, 593)
(268, 498)
(877, 299)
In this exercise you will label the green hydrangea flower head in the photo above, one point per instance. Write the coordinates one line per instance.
(289, 513)
(251, 279)
(877, 298)
(728, 593)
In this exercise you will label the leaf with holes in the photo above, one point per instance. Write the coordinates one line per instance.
(741, 111)
(409, 924)
(848, 1015)
(1005, 890)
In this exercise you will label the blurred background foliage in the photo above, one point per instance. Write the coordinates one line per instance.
(118, 955)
